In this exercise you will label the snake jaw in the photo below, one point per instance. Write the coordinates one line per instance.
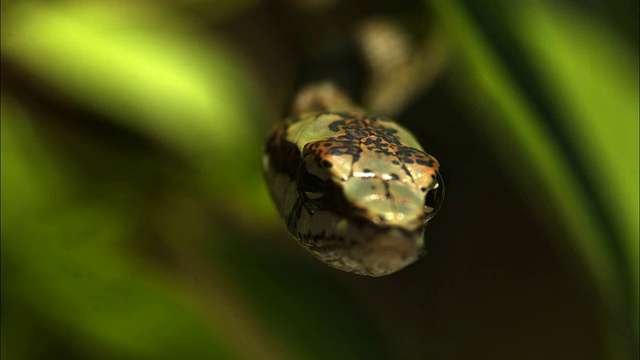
(358, 245)
(367, 249)
(387, 252)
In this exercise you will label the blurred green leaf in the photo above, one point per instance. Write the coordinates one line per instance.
(168, 84)
(65, 258)
(149, 70)
(597, 97)
(24, 190)
(528, 149)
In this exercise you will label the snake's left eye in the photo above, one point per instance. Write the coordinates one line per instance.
(313, 195)
(435, 196)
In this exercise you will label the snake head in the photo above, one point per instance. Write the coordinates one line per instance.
(357, 191)
(361, 191)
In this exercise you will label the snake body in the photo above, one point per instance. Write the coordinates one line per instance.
(355, 190)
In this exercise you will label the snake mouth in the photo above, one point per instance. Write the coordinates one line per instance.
(383, 255)
(368, 249)
(360, 246)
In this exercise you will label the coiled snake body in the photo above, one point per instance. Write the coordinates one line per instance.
(355, 190)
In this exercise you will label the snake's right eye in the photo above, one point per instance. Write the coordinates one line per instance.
(311, 188)
(434, 197)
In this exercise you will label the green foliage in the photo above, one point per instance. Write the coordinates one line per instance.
(591, 80)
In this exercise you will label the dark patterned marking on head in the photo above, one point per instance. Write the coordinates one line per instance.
(406, 171)
(428, 163)
(413, 156)
(387, 192)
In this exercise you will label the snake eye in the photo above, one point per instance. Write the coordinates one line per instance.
(435, 196)
(313, 195)
(311, 188)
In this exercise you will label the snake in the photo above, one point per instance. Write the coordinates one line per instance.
(355, 189)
